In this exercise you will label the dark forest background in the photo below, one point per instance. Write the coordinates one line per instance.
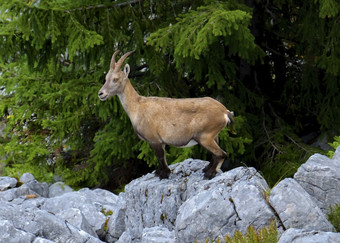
(274, 63)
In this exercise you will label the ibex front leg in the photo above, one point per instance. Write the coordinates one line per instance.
(163, 170)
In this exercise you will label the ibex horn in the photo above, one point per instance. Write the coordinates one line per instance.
(122, 59)
(113, 60)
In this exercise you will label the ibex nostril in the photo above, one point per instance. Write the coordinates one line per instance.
(100, 93)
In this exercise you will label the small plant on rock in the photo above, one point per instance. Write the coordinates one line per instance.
(334, 216)
(264, 235)
(334, 145)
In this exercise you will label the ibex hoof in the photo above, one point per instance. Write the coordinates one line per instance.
(207, 167)
(163, 173)
(209, 174)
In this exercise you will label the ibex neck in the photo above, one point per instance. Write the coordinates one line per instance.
(129, 99)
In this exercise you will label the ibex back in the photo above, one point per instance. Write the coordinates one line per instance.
(176, 122)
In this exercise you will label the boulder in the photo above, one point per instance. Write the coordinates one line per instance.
(296, 208)
(303, 236)
(28, 223)
(75, 217)
(26, 177)
(7, 182)
(78, 200)
(19, 193)
(195, 208)
(153, 202)
(184, 208)
(11, 234)
(40, 189)
(319, 176)
(231, 201)
(58, 189)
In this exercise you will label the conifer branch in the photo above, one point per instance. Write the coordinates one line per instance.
(117, 5)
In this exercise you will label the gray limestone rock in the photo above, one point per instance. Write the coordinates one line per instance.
(336, 155)
(158, 235)
(125, 238)
(78, 200)
(16, 194)
(231, 201)
(116, 223)
(296, 208)
(8, 233)
(184, 208)
(7, 182)
(153, 202)
(196, 208)
(58, 188)
(42, 240)
(28, 223)
(26, 177)
(75, 217)
(59, 230)
(320, 177)
(303, 236)
(40, 189)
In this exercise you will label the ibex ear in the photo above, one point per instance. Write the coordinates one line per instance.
(127, 70)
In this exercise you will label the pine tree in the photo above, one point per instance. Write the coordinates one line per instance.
(275, 64)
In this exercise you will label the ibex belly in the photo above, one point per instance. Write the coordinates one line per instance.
(191, 143)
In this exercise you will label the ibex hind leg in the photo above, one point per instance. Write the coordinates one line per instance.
(211, 164)
(163, 170)
(217, 160)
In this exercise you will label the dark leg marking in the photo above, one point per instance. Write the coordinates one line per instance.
(163, 170)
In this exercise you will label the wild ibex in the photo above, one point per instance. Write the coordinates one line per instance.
(161, 121)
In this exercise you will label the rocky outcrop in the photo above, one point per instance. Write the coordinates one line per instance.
(194, 208)
(320, 177)
(183, 208)
(296, 207)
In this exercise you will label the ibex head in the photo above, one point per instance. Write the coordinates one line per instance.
(115, 79)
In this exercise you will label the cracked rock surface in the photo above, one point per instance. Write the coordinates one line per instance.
(184, 208)
(296, 207)
(320, 177)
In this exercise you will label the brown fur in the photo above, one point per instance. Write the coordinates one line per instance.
(176, 122)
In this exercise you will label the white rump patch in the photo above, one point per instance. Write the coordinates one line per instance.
(227, 118)
(191, 143)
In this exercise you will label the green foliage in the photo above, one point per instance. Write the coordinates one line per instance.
(276, 64)
(334, 145)
(197, 33)
(334, 216)
(198, 30)
(285, 154)
(264, 235)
